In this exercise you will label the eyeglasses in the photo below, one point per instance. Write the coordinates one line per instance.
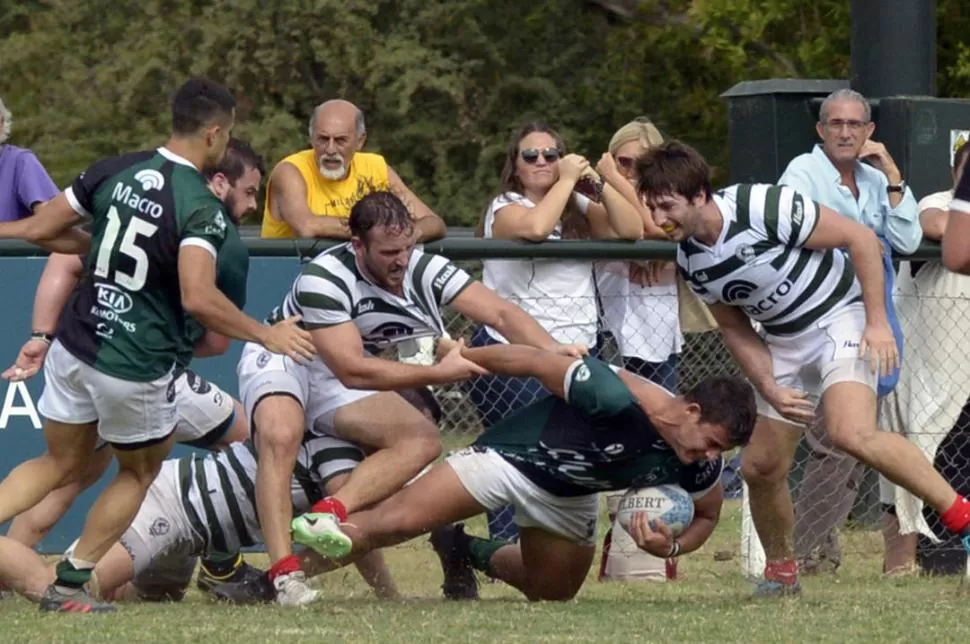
(838, 124)
(625, 162)
(531, 155)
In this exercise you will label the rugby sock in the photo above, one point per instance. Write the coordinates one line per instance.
(72, 574)
(957, 518)
(784, 571)
(607, 542)
(482, 550)
(222, 565)
(285, 566)
(330, 505)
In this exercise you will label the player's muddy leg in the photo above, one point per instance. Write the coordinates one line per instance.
(765, 463)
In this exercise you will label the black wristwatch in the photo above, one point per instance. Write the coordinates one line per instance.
(40, 335)
(900, 187)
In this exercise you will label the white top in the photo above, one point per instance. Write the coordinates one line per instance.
(559, 294)
(643, 319)
(940, 200)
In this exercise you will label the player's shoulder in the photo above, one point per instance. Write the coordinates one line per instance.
(336, 265)
(119, 164)
(700, 477)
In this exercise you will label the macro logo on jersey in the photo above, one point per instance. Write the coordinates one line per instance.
(123, 193)
(332, 290)
(761, 264)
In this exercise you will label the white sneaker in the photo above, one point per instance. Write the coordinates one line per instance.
(292, 590)
(321, 532)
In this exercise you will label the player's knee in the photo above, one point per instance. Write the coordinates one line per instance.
(546, 592)
(422, 448)
(762, 468)
(278, 426)
(849, 439)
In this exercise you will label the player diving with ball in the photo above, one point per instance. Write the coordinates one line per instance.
(602, 429)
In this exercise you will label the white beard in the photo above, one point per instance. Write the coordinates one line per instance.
(333, 175)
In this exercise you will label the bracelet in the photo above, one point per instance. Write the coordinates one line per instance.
(674, 550)
(43, 337)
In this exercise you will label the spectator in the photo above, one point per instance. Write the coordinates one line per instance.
(538, 201)
(310, 193)
(24, 183)
(857, 177)
(935, 386)
(639, 307)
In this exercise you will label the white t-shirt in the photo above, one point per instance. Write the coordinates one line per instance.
(643, 319)
(940, 200)
(558, 293)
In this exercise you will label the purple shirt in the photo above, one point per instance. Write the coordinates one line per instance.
(23, 183)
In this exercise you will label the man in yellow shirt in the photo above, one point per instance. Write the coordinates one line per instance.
(310, 193)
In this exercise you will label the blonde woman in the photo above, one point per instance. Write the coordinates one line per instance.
(639, 308)
(639, 299)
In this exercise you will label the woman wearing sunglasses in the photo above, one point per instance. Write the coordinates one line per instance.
(539, 200)
(639, 307)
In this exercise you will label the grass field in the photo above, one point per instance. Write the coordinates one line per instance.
(709, 603)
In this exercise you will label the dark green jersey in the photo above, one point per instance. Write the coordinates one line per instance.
(597, 439)
(125, 318)
(232, 271)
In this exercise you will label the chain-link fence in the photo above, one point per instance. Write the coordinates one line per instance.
(833, 493)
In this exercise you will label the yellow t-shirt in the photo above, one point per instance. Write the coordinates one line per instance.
(368, 173)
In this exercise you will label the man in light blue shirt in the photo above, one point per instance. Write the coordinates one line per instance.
(872, 193)
(834, 175)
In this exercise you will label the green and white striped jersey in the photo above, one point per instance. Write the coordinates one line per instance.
(218, 490)
(332, 290)
(760, 264)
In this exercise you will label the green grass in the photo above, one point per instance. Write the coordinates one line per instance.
(709, 603)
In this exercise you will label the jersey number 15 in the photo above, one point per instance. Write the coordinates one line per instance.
(136, 228)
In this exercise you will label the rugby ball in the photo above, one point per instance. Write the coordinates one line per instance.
(669, 503)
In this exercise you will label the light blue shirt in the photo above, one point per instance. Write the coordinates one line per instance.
(814, 176)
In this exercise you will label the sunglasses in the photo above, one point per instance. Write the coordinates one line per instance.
(625, 162)
(531, 155)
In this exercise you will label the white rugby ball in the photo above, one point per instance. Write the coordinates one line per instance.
(669, 503)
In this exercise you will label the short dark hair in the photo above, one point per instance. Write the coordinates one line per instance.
(423, 400)
(198, 103)
(381, 208)
(729, 402)
(239, 158)
(673, 168)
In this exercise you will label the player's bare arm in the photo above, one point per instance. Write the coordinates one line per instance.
(203, 300)
(519, 361)
(865, 250)
(659, 541)
(428, 225)
(289, 204)
(60, 276)
(483, 305)
(753, 356)
(342, 349)
(52, 227)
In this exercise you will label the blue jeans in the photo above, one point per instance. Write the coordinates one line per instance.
(496, 397)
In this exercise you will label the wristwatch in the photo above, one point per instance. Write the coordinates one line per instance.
(900, 187)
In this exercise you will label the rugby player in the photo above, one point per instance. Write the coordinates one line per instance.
(357, 299)
(765, 253)
(205, 504)
(208, 417)
(603, 429)
(157, 232)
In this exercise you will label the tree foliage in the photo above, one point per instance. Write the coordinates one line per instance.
(442, 83)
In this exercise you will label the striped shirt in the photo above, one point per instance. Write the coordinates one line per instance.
(332, 290)
(218, 490)
(760, 262)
